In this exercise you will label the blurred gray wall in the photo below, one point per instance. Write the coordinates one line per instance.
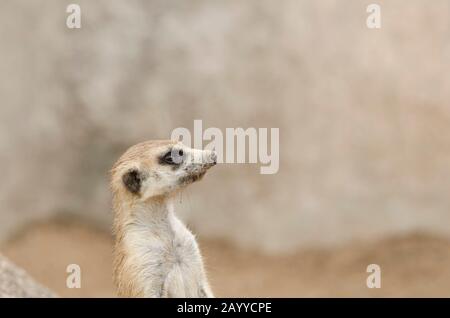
(363, 114)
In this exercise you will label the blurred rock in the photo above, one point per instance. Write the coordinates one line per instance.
(15, 282)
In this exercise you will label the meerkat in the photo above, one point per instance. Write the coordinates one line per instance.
(155, 255)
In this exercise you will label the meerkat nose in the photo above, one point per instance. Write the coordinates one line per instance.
(213, 158)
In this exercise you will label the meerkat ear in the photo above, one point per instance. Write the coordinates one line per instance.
(132, 180)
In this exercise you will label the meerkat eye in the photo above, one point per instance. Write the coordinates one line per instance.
(172, 157)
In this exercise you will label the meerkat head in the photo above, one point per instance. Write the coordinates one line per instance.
(157, 168)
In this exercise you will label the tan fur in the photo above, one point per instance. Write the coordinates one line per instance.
(155, 255)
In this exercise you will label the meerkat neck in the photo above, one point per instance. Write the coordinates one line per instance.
(141, 229)
(149, 214)
(153, 212)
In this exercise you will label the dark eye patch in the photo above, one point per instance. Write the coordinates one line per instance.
(173, 157)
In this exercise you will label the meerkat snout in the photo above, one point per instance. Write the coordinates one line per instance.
(213, 158)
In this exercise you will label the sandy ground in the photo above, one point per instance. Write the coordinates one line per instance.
(414, 265)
